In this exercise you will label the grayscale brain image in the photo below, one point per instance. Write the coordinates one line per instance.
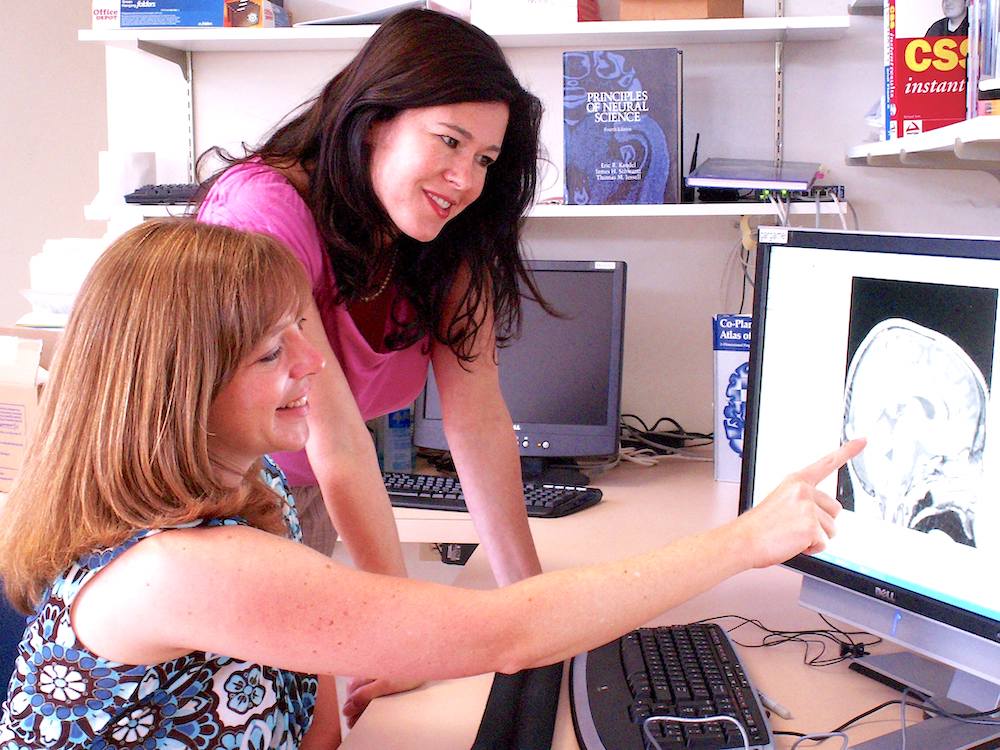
(919, 368)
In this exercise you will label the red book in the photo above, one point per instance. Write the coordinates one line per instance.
(927, 43)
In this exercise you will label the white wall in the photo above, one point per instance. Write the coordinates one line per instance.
(680, 270)
(52, 124)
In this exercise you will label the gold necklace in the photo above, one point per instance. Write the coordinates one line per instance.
(385, 281)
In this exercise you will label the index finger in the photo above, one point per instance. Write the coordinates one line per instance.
(817, 472)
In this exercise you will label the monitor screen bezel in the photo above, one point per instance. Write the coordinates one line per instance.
(575, 440)
(956, 247)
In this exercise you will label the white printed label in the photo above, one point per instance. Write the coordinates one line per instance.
(773, 235)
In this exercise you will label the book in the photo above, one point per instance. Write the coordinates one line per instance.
(755, 174)
(731, 346)
(622, 126)
(926, 46)
(983, 62)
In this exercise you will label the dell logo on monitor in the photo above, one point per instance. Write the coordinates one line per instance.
(887, 594)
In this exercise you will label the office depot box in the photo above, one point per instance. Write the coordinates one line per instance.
(19, 359)
(125, 14)
(647, 10)
(731, 344)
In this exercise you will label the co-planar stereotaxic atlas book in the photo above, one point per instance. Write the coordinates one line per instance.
(622, 126)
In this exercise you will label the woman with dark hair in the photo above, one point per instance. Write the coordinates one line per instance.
(400, 188)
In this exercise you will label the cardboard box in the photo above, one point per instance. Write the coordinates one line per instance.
(647, 10)
(126, 14)
(731, 344)
(49, 338)
(19, 359)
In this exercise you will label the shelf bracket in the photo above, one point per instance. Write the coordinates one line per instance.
(779, 91)
(184, 60)
(179, 57)
(980, 151)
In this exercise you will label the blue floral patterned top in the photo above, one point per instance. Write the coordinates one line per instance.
(63, 696)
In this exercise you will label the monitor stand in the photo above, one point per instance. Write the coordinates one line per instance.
(543, 471)
(926, 678)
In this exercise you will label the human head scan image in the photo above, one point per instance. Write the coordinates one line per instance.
(921, 402)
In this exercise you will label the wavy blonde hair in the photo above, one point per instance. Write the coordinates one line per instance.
(162, 322)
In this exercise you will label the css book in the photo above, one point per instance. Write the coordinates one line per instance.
(925, 65)
(622, 126)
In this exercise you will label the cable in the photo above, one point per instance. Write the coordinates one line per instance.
(780, 208)
(854, 214)
(820, 737)
(700, 720)
(648, 457)
(848, 647)
(929, 707)
(841, 212)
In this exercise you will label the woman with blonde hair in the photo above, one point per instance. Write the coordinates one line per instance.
(172, 605)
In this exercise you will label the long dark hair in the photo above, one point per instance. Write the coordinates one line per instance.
(417, 58)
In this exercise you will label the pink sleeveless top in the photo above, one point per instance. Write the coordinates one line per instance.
(257, 198)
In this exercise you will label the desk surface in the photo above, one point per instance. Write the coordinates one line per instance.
(642, 507)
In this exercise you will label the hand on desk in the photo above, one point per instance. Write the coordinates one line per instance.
(363, 690)
(796, 517)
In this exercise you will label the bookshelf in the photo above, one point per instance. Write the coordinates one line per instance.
(559, 211)
(180, 48)
(602, 33)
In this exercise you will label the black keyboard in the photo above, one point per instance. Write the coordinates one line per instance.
(445, 493)
(686, 671)
(152, 195)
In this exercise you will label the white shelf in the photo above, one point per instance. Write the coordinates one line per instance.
(972, 144)
(539, 211)
(560, 211)
(604, 34)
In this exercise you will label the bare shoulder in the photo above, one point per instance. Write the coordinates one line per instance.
(130, 611)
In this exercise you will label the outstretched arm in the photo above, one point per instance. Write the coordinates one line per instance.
(254, 596)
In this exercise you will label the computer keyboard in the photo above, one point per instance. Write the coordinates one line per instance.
(154, 195)
(686, 671)
(445, 493)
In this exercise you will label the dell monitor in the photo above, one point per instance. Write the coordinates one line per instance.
(561, 378)
(893, 338)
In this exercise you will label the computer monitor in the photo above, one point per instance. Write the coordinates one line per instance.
(893, 338)
(561, 378)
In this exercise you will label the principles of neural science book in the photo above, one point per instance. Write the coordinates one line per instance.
(926, 46)
(622, 126)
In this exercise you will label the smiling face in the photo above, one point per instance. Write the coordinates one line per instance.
(263, 408)
(429, 164)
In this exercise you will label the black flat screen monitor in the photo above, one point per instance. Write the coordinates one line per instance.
(561, 378)
(893, 338)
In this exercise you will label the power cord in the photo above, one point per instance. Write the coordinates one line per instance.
(821, 638)
(647, 446)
